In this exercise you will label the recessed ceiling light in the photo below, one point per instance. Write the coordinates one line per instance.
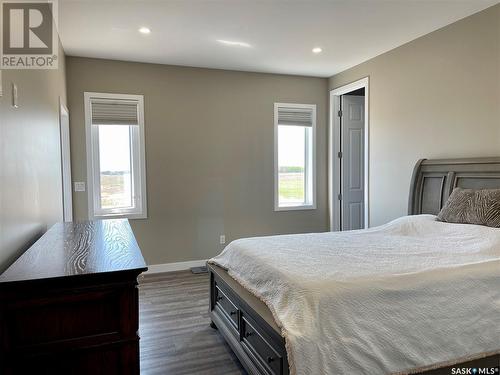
(317, 50)
(144, 30)
(233, 43)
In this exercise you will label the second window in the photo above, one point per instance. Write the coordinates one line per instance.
(295, 126)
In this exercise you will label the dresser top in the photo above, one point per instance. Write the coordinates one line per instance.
(79, 248)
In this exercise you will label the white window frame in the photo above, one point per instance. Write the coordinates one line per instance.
(138, 167)
(312, 188)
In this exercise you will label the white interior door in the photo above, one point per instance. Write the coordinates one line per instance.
(352, 162)
(66, 164)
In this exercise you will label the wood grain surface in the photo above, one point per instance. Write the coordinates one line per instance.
(174, 327)
(81, 248)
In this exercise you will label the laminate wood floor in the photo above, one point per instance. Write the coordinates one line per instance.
(174, 327)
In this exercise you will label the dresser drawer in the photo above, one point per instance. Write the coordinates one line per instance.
(223, 300)
(69, 316)
(261, 348)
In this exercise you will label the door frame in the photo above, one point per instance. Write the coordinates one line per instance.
(334, 147)
(64, 133)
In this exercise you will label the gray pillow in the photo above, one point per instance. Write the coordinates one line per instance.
(468, 206)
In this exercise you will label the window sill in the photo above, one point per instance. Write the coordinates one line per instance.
(296, 208)
(119, 216)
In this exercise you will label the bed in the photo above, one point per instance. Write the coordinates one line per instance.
(412, 296)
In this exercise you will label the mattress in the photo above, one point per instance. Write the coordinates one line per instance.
(408, 296)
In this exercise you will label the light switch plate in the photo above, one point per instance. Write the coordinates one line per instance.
(79, 186)
(15, 102)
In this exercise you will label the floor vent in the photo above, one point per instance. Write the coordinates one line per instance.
(202, 269)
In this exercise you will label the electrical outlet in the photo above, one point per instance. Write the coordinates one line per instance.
(222, 239)
(79, 186)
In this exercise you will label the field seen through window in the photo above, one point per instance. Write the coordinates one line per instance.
(291, 184)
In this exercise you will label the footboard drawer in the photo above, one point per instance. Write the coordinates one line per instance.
(250, 331)
(260, 347)
(228, 307)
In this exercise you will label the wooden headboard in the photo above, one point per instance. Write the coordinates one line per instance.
(434, 180)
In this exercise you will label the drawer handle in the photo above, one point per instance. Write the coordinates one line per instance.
(232, 313)
(270, 359)
(248, 334)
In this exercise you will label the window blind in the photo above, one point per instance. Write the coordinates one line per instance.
(114, 112)
(295, 116)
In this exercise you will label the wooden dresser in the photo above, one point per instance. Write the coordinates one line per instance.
(69, 304)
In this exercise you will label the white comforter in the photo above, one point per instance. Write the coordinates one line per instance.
(409, 295)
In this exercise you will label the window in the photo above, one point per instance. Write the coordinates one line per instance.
(294, 156)
(116, 172)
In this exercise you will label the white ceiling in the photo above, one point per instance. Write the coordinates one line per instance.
(281, 32)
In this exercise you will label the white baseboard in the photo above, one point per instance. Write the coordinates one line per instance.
(178, 266)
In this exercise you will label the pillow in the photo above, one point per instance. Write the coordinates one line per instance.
(468, 206)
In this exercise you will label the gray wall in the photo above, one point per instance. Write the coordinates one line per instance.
(30, 161)
(435, 97)
(209, 152)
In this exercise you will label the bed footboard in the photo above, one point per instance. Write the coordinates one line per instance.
(249, 328)
(245, 325)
